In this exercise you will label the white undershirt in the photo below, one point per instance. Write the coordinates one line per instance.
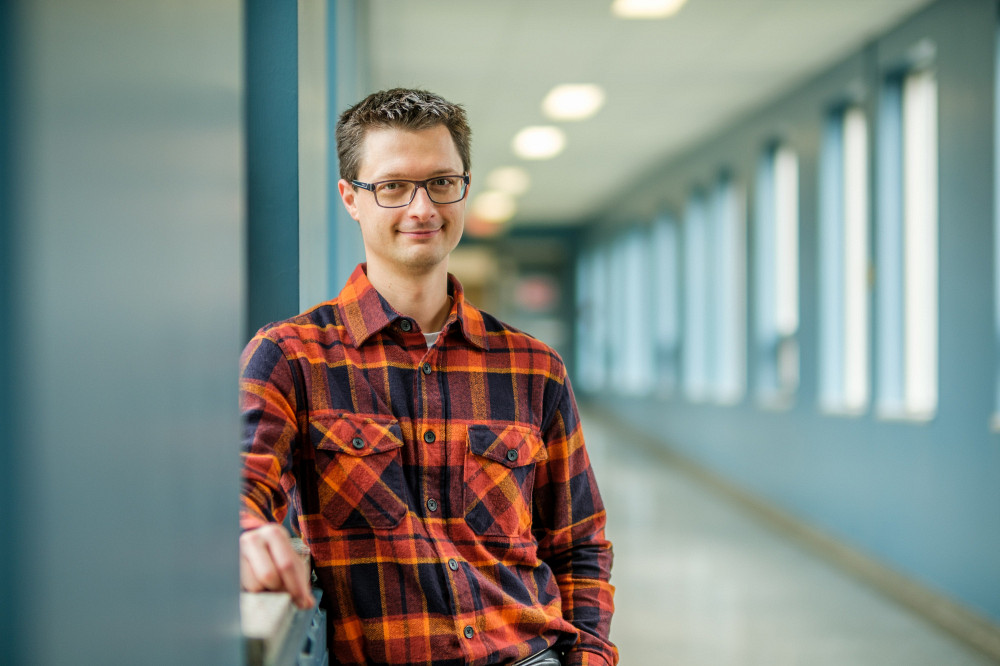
(431, 338)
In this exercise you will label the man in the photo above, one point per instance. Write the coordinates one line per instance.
(432, 455)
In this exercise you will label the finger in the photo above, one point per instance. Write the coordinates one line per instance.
(269, 562)
(248, 580)
(257, 563)
(293, 571)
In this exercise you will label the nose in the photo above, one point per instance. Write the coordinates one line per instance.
(421, 206)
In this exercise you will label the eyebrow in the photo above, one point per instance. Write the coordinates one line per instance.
(396, 175)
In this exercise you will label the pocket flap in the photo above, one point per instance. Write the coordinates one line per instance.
(356, 435)
(512, 446)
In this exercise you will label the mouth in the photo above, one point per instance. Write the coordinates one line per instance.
(420, 233)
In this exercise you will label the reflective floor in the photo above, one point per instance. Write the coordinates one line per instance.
(701, 582)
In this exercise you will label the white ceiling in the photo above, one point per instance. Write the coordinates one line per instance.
(669, 82)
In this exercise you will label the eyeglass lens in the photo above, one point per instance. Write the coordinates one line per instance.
(442, 190)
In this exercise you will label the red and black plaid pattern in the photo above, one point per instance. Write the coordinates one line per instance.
(445, 492)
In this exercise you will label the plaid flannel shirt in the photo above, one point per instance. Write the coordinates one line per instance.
(445, 493)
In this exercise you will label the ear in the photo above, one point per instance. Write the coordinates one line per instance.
(347, 195)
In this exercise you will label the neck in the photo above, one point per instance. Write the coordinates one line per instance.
(422, 297)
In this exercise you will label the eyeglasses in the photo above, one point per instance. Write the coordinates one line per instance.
(399, 193)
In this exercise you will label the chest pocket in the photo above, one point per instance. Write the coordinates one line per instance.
(499, 477)
(358, 460)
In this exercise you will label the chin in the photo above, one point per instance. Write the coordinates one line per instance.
(423, 261)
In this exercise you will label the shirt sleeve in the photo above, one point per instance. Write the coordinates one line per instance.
(270, 427)
(569, 526)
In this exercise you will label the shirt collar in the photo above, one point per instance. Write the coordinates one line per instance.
(365, 312)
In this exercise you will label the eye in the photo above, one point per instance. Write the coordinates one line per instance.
(445, 185)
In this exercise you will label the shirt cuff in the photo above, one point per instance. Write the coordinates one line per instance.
(250, 521)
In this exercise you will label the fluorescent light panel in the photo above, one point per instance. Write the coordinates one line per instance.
(573, 101)
(539, 142)
(646, 9)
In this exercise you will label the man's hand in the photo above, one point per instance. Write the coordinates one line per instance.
(268, 562)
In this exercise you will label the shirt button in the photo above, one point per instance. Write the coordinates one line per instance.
(453, 564)
(512, 454)
(426, 368)
(432, 504)
(358, 443)
(406, 325)
(469, 632)
(429, 437)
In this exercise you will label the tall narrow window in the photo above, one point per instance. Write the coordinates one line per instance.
(697, 359)
(587, 323)
(637, 348)
(728, 239)
(666, 269)
(614, 315)
(920, 206)
(908, 247)
(844, 264)
(592, 331)
(777, 283)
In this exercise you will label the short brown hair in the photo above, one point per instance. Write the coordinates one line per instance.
(398, 108)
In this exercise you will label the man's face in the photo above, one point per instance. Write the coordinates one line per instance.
(415, 238)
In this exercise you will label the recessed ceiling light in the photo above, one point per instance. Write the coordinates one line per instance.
(646, 9)
(512, 180)
(539, 142)
(573, 101)
(491, 206)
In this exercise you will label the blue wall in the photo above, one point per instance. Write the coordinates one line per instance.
(10, 470)
(922, 498)
(272, 112)
(122, 335)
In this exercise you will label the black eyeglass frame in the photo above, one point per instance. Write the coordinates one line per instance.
(417, 185)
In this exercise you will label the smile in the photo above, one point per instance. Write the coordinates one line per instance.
(420, 233)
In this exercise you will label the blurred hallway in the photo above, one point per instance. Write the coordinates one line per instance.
(701, 582)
